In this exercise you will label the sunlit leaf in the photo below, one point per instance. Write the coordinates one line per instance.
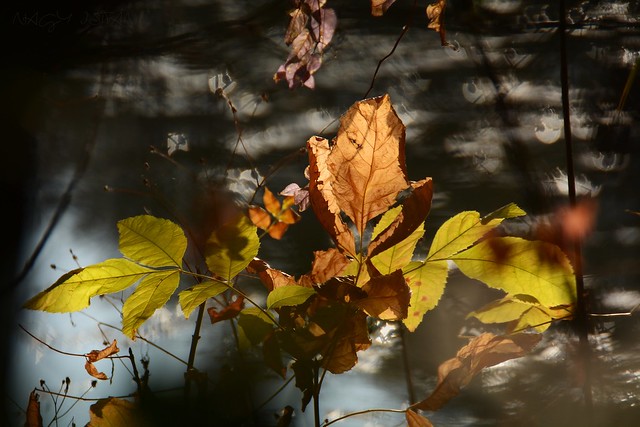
(255, 324)
(152, 293)
(427, 282)
(271, 202)
(191, 298)
(231, 311)
(231, 247)
(288, 295)
(481, 352)
(278, 229)
(435, 13)
(516, 266)
(401, 230)
(464, 229)
(416, 420)
(152, 241)
(115, 412)
(72, 292)
(387, 297)
(321, 195)
(95, 355)
(367, 160)
(259, 217)
(34, 418)
(93, 371)
(327, 264)
(379, 7)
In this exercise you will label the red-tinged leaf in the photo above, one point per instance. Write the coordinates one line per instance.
(273, 278)
(289, 216)
(300, 195)
(229, 312)
(327, 264)
(271, 203)
(277, 230)
(323, 201)
(435, 13)
(353, 336)
(483, 351)
(297, 23)
(323, 25)
(95, 355)
(367, 160)
(256, 266)
(34, 418)
(387, 297)
(416, 420)
(415, 209)
(259, 217)
(379, 7)
(93, 371)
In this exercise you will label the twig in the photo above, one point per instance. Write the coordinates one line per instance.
(367, 411)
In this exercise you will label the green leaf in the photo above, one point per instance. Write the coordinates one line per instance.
(254, 324)
(152, 241)
(464, 229)
(194, 296)
(152, 293)
(519, 266)
(288, 295)
(400, 254)
(232, 247)
(427, 282)
(73, 291)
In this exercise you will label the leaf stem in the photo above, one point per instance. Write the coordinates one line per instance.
(192, 351)
(366, 411)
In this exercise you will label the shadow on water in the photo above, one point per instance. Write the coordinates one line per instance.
(90, 88)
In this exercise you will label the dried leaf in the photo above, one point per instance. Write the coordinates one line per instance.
(93, 371)
(483, 351)
(327, 264)
(321, 195)
(259, 217)
(379, 7)
(353, 337)
(416, 420)
(387, 297)
(95, 355)
(277, 230)
(271, 203)
(367, 160)
(34, 418)
(435, 13)
(229, 312)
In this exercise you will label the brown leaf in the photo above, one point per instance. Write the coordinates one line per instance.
(353, 336)
(34, 418)
(483, 351)
(387, 297)
(229, 312)
(341, 289)
(271, 202)
(95, 355)
(415, 209)
(416, 420)
(298, 21)
(93, 371)
(272, 356)
(327, 264)
(379, 7)
(321, 195)
(259, 217)
(367, 160)
(435, 13)
(277, 230)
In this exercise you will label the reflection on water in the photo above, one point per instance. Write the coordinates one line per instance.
(193, 79)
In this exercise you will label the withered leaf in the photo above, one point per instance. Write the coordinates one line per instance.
(416, 420)
(321, 195)
(387, 297)
(95, 355)
(229, 312)
(327, 264)
(483, 351)
(435, 13)
(93, 371)
(272, 356)
(379, 7)
(277, 230)
(415, 209)
(34, 418)
(353, 336)
(271, 203)
(259, 217)
(367, 160)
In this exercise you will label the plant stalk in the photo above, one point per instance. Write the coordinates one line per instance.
(192, 352)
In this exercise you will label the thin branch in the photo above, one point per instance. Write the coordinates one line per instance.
(367, 411)
(50, 347)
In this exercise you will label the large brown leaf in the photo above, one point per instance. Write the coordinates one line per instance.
(387, 297)
(483, 351)
(323, 201)
(327, 264)
(415, 209)
(367, 160)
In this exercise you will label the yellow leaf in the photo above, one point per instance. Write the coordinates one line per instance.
(427, 282)
(520, 266)
(367, 160)
(152, 293)
(152, 241)
(73, 291)
(230, 248)
(191, 298)
(114, 412)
